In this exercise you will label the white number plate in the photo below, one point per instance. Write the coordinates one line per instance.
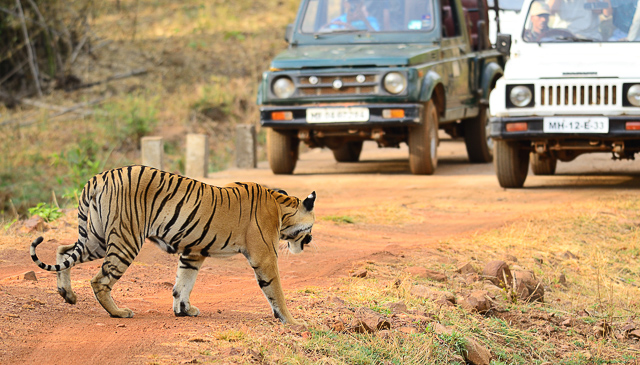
(333, 115)
(576, 125)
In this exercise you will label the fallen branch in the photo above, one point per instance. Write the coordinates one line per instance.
(59, 113)
(110, 78)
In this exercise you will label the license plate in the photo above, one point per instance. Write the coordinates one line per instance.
(576, 125)
(333, 115)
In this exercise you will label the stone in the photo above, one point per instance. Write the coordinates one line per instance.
(152, 149)
(246, 146)
(196, 163)
(359, 273)
(423, 291)
(337, 326)
(569, 255)
(562, 279)
(527, 287)
(466, 269)
(497, 272)
(476, 301)
(30, 275)
(34, 224)
(359, 326)
(634, 334)
(474, 352)
(397, 307)
(424, 273)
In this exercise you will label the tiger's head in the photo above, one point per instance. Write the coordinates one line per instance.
(297, 222)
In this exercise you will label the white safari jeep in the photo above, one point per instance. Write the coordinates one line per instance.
(571, 86)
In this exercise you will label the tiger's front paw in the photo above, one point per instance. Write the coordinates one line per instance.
(122, 313)
(184, 312)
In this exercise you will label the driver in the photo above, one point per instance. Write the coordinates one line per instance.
(356, 16)
(539, 15)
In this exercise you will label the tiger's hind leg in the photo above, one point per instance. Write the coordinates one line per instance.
(113, 267)
(64, 276)
(185, 279)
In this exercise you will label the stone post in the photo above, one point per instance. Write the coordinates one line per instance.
(246, 146)
(152, 149)
(197, 156)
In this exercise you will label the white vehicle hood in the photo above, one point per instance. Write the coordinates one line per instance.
(573, 60)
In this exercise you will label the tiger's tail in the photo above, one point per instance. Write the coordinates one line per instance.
(71, 261)
(75, 254)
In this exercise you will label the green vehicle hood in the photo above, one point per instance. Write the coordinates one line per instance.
(355, 55)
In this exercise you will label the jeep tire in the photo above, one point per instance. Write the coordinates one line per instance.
(348, 151)
(511, 163)
(423, 142)
(282, 151)
(476, 137)
(543, 165)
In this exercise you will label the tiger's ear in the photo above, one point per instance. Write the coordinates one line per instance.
(282, 192)
(309, 201)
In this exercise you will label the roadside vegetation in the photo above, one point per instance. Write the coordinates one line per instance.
(163, 68)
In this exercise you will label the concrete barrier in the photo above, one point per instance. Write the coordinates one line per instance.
(246, 147)
(152, 150)
(197, 156)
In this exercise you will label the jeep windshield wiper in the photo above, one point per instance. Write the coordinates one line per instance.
(336, 31)
(574, 39)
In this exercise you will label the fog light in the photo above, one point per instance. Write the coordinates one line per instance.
(392, 113)
(281, 115)
(632, 126)
(517, 127)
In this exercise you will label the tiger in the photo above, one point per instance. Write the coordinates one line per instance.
(121, 208)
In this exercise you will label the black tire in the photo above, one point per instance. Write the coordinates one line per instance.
(348, 151)
(282, 151)
(476, 137)
(423, 142)
(511, 164)
(543, 165)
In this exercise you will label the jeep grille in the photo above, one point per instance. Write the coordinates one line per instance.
(350, 84)
(578, 95)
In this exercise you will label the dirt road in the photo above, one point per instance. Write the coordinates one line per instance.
(393, 210)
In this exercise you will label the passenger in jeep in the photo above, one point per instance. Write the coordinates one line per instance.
(580, 17)
(355, 17)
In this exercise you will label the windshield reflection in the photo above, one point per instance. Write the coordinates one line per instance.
(339, 16)
(582, 21)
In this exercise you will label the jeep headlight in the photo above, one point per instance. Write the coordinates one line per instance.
(520, 96)
(283, 87)
(395, 82)
(633, 95)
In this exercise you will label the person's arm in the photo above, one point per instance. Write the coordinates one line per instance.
(554, 6)
(635, 25)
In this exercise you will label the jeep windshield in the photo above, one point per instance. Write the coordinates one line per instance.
(328, 17)
(582, 21)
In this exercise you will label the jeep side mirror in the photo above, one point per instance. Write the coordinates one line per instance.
(503, 43)
(288, 33)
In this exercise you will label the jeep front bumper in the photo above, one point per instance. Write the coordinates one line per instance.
(512, 128)
(380, 115)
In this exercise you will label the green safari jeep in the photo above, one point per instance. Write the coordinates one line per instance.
(391, 71)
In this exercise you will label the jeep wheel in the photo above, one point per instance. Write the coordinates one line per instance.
(282, 151)
(348, 152)
(511, 164)
(423, 142)
(543, 165)
(476, 137)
